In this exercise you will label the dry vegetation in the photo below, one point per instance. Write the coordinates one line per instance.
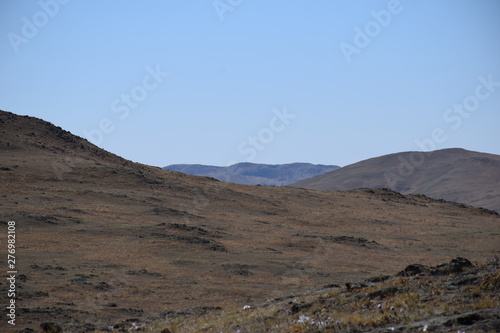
(102, 239)
(450, 297)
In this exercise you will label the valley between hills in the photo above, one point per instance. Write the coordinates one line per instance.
(102, 240)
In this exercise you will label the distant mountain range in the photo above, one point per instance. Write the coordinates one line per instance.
(255, 174)
(452, 174)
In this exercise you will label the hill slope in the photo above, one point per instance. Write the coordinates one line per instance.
(416, 299)
(451, 174)
(101, 239)
(255, 174)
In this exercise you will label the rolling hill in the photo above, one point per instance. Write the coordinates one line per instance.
(255, 174)
(455, 175)
(102, 241)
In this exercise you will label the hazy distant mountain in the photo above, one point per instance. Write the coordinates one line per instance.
(452, 174)
(255, 174)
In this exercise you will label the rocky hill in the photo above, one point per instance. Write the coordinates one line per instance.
(451, 174)
(102, 240)
(255, 174)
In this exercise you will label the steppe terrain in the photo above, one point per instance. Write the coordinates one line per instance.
(101, 239)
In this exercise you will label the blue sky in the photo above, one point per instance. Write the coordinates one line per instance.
(224, 81)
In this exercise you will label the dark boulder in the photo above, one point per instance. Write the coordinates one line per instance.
(457, 265)
(51, 328)
(414, 269)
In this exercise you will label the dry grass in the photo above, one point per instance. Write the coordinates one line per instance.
(111, 221)
(359, 310)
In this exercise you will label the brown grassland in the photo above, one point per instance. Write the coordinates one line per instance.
(101, 239)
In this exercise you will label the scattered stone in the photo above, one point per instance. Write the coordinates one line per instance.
(383, 293)
(185, 227)
(51, 328)
(65, 303)
(143, 272)
(344, 240)
(303, 319)
(380, 278)
(464, 280)
(103, 286)
(333, 285)
(355, 285)
(466, 319)
(414, 269)
(457, 265)
(299, 307)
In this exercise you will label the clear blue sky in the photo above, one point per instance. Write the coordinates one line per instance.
(350, 79)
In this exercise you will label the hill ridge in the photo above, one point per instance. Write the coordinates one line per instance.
(453, 174)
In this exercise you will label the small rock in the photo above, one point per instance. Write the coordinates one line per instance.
(303, 319)
(333, 285)
(51, 328)
(355, 285)
(457, 265)
(414, 269)
(383, 293)
(298, 307)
